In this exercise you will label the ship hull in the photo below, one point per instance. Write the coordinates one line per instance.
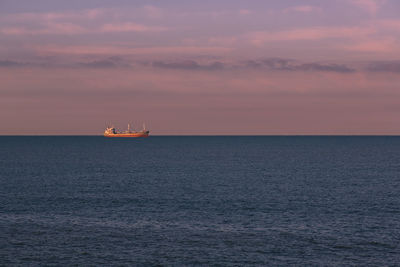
(127, 135)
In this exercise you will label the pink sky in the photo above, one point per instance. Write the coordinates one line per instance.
(227, 67)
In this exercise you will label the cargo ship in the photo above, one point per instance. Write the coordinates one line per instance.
(112, 132)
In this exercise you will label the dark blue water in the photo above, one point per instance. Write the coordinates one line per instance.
(200, 200)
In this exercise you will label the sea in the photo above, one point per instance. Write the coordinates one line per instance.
(200, 200)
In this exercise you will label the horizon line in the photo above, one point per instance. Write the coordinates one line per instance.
(202, 135)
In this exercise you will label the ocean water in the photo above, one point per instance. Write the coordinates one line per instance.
(224, 201)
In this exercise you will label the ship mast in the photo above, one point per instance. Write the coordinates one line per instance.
(129, 128)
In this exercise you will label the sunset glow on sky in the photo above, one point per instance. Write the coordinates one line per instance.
(200, 67)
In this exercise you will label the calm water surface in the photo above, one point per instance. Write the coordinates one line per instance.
(200, 200)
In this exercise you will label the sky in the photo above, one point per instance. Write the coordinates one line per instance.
(221, 67)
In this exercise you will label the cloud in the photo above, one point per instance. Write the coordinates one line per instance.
(153, 12)
(77, 22)
(99, 64)
(110, 62)
(244, 12)
(9, 63)
(188, 65)
(125, 50)
(58, 23)
(385, 66)
(282, 64)
(370, 6)
(270, 64)
(64, 28)
(324, 67)
(73, 29)
(389, 24)
(222, 41)
(61, 23)
(49, 28)
(302, 9)
(194, 63)
(70, 62)
(130, 27)
(376, 46)
(53, 16)
(14, 31)
(313, 33)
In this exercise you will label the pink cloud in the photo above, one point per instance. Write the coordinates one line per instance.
(130, 27)
(314, 33)
(52, 16)
(50, 28)
(302, 9)
(371, 6)
(389, 24)
(66, 28)
(14, 31)
(223, 41)
(126, 50)
(376, 46)
(244, 12)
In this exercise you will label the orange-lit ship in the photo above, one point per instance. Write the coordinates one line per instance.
(112, 132)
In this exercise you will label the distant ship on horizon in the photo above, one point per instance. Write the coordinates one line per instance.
(112, 132)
